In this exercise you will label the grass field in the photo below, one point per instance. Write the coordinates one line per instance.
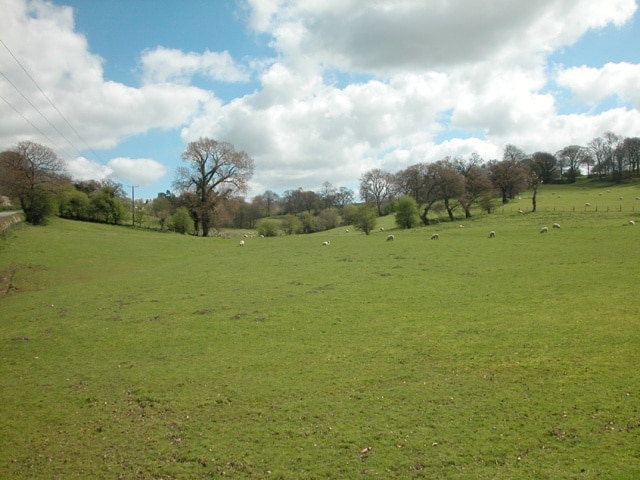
(139, 355)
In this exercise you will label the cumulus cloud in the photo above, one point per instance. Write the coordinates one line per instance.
(592, 85)
(81, 168)
(165, 65)
(141, 171)
(351, 86)
(49, 73)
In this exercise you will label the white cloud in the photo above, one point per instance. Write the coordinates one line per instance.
(592, 85)
(431, 79)
(39, 37)
(165, 65)
(141, 171)
(81, 168)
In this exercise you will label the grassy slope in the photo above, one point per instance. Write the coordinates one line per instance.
(141, 355)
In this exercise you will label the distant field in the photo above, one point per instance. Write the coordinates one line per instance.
(140, 355)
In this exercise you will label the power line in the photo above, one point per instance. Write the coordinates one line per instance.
(40, 113)
(51, 103)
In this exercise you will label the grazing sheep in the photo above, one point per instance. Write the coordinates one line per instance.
(242, 243)
(544, 230)
(621, 198)
(556, 225)
(587, 204)
(461, 226)
(631, 222)
(347, 230)
(435, 236)
(382, 229)
(326, 243)
(492, 234)
(390, 238)
(520, 210)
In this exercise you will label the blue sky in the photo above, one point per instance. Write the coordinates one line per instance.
(313, 91)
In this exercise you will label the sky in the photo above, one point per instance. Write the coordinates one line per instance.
(313, 91)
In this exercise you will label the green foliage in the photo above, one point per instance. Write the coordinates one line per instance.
(38, 205)
(365, 219)
(106, 207)
(269, 228)
(349, 214)
(74, 204)
(291, 225)
(407, 212)
(328, 219)
(181, 221)
(308, 221)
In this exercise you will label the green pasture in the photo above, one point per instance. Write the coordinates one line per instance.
(140, 355)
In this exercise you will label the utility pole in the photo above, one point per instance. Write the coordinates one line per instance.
(133, 205)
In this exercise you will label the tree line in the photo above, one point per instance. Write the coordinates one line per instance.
(210, 184)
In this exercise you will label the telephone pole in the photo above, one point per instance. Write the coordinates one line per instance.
(133, 205)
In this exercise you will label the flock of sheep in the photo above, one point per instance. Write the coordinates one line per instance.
(436, 236)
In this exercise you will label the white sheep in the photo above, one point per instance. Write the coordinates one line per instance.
(544, 230)
(492, 234)
(382, 229)
(520, 210)
(435, 236)
(631, 222)
(326, 243)
(587, 204)
(461, 226)
(556, 225)
(390, 238)
(242, 243)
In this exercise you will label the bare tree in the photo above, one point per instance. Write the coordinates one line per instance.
(30, 172)
(450, 184)
(214, 172)
(509, 177)
(376, 186)
(476, 182)
(631, 149)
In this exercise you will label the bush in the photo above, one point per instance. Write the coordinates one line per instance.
(407, 212)
(269, 228)
(181, 221)
(291, 225)
(365, 219)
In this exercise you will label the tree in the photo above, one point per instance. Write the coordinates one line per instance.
(631, 149)
(214, 172)
(545, 166)
(509, 177)
(407, 212)
(105, 206)
(162, 209)
(74, 204)
(450, 184)
(535, 166)
(267, 203)
(343, 197)
(365, 219)
(328, 218)
(31, 173)
(572, 157)
(476, 182)
(376, 186)
(181, 221)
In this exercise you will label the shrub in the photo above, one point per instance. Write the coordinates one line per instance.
(181, 221)
(291, 225)
(365, 219)
(407, 212)
(269, 228)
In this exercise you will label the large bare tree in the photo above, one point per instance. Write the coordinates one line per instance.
(215, 171)
(376, 186)
(30, 172)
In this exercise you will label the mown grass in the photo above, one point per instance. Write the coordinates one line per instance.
(129, 354)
